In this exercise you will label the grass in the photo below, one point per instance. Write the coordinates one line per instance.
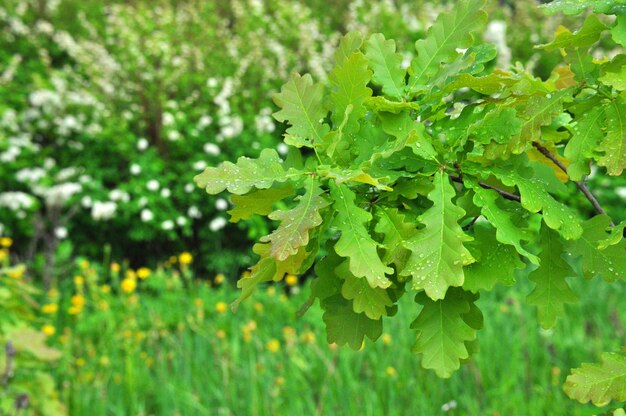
(173, 347)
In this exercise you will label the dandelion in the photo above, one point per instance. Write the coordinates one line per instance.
(49, 330)
(288, 332)
(143, 273)
(308, 337)
(220, 334)
(53, 293)
(273, 345)
(221, 307)
(80, 362)
(106, 289)
(291, 280)
(386, 338)
(185, 258)
(271, 290)
(79, 280)
(258, 307)
(17, 272)
(105, 361)
(391, 372)
(279, 381)
(78, 301)
(3, 254)
(6, 242)
(50, 308)
(84, 264)
(219, 279)
(129, 285)
(115, 267)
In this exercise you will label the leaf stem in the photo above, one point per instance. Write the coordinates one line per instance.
(582, 186)
(505, 194)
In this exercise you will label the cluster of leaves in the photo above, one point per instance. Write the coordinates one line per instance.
(439, 181)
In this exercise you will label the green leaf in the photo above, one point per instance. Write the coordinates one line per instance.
(349, 43)
(373, 301)
(610, 263)
(614, 144)
(537, 112)
(263, 271)
(33, 342)
(574, 7)
(344, 326)
(616, 234)
(582, 65)
(614, 73)
(551, 292)
(507, 231)
(437, 251)
(386, 64)
(496, 262)
(349, 81)
(296, 223)
(586, 134)
(355, 242)
(618, 31)
(586, 36)
(599, 383)
(450, 31)
(258, 202)
(442, 331)
(302, 105)
(498, 125)
(350, 175)
(535, 198)
(396, 231)
(241, 177)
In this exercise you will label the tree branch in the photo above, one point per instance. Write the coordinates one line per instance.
(582, 186)
(505, 194)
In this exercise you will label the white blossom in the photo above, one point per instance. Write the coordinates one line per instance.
(217, 223)
(189, 187)
(16, 200)
(205, 121)
(211, 149)
(173, 136)
(142, 144)
(167, 225)
(200, 165)
(135, 169)
(181, 221)
(282, 148)
(60, 233)
(119, 196)
(168, 119)
(166, 193)
(211, 83)
(57, 195)
(102, 211)
(86, 201)
(221, 204)
(194, 212)
(153, 185)
(146, 215)
(30, 175)
(621, 191)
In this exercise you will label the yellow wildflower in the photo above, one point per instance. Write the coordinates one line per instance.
(185, 258)
(17, 272)
(273, 345)
(291, 280)
(173, 259)
(258, 307)
(391, 372)
(50, 308)
(130, 274)
(386, 339)
(129, 285)
(143, 273)
(220, 334)
(49, 330)
(288, 332)
(6, 242)
(73, 310)
(115, 267)
(219, 278)
(308, 337)
(84, 264)
(79, 280)
(271, 290)
(199, 303)
(103, 305)
(53, 293)
(78, 301)
(221, 307)
(80, 362)
(279, 381)
(3, 254)
(105, 361)
(105, 289)
(250, 326)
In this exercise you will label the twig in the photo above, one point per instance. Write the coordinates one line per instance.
(505, 194)
(582, 186)
(8, 370)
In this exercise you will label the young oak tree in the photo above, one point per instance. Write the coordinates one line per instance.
(440, 181)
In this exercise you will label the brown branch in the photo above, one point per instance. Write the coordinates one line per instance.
(582, 186)
(505, 194)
